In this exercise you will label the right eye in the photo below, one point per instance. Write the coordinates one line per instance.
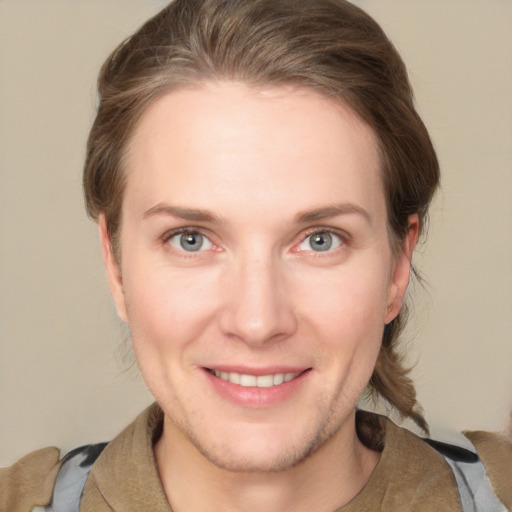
(190, 241)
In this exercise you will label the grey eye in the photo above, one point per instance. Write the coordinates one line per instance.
(191, 242)
(321, 242)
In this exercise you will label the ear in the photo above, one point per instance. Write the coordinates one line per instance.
(115, 279)
(402, 269)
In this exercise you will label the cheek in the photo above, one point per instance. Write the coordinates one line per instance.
(346, 312)
(346, 300)
(167, 307)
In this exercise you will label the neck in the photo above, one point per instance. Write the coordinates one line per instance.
(326, 480)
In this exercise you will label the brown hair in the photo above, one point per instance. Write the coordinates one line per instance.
(330, 46)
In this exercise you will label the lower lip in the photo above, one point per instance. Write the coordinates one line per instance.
(254, 397)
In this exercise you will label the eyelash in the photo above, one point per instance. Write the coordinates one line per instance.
(343, 237)
(166, 238)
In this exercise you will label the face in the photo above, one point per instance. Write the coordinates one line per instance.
(256, 272)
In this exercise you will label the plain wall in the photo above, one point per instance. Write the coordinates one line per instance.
(62, 381)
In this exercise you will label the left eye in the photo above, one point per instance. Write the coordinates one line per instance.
(191, 241)
(320, 242)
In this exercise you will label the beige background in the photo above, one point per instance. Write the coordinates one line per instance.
(62, 380)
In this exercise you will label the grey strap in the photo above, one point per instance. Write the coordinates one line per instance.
(475, 488)
(71, 479)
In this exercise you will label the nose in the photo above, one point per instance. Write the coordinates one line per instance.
(257, 305)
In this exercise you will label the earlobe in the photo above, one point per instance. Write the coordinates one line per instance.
(115, 280)
(402, 270)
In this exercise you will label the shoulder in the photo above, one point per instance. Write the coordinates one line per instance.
(43, 475)
(411, 474)
(495, 451)
(40, 479)
(30, 481)
(418, 473)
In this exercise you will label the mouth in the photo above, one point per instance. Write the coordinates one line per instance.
(257, 388)
(256, 381)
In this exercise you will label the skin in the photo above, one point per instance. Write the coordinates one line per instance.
(269, 167)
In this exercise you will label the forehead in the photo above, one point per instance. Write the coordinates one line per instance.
(276, 145)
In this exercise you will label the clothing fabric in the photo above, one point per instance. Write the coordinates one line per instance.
(475, 489)
(410, 476)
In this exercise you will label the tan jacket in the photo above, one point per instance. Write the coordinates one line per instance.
(411, 476)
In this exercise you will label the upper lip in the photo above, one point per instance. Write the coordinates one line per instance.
(267, 370)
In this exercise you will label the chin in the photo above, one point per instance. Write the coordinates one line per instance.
(262, 460)
(264, 449)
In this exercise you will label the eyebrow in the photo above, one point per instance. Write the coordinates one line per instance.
(332, 211)
(308, 216)
(193, 214)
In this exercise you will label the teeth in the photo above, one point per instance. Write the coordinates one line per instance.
(234, 378)
(261, 381)
(265, 381)
(278, 379)
(248, 380)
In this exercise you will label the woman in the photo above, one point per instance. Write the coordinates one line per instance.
(260, 178)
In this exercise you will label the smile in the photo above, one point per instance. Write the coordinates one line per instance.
(260, 381)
